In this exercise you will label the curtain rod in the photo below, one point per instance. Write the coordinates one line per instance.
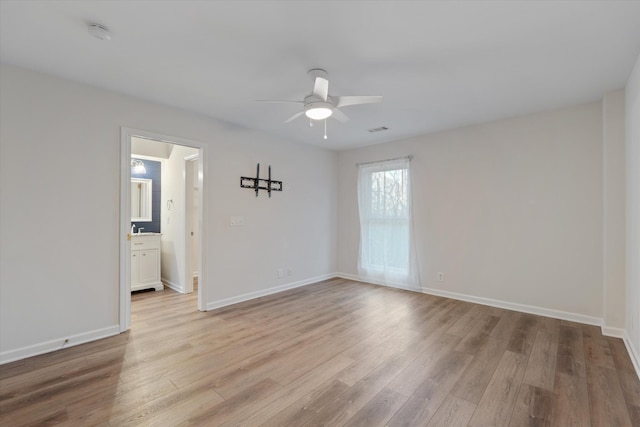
(409, 157)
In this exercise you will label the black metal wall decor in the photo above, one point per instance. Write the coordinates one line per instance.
(261, 184)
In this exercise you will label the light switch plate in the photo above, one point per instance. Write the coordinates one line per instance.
(236, 220)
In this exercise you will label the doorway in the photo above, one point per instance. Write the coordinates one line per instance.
(182, 212)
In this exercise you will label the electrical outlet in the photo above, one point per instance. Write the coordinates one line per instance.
(440, 277)
(280, 273)
(289, 271)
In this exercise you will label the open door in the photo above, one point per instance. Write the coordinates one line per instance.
(192, 222)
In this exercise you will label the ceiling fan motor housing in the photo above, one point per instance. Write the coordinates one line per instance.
(318, 72)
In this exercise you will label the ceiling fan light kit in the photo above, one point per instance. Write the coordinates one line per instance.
(318, 110)
(318, 105)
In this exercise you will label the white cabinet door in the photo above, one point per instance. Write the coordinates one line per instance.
(135, 255)
(148, 271)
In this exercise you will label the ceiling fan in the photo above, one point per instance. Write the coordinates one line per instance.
(319, 105)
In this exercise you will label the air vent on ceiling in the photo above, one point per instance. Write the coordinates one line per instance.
(380, 129)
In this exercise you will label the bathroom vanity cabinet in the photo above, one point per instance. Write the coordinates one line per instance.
(145, 262)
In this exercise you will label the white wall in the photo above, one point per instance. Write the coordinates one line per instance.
(508, 211)
(613, 152)
(148, 148)
(632, 110)
(59, 208)
(173, 217)
(280, 232)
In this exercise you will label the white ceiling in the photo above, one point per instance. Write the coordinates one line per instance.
(438, 64)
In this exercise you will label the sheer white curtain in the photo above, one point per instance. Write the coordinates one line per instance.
(387, 251)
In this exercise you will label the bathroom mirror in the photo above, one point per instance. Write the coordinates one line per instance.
(140, 200)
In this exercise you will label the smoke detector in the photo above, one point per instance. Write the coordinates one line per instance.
(98, 31)
(380, 129)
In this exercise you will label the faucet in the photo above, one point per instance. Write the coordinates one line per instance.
(140, 230)
(132, 227)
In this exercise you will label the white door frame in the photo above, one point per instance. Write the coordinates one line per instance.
(125, 217)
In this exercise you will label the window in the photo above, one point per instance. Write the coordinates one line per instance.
(384, 201)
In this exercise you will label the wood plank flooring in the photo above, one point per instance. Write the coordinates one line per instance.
(334, 353)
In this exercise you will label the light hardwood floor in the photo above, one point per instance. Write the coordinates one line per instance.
(333, 353)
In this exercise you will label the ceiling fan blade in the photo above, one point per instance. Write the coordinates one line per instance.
(344, 101)
(321, 88)
(295, 116)
(339, 116)
(279, 101)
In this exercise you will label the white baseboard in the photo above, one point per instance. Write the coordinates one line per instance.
(531, 309)
(376, 282)
(633, 354)
(251, 295)
(541, 311)
(613, 332)
(174, 286)
(57, 344)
